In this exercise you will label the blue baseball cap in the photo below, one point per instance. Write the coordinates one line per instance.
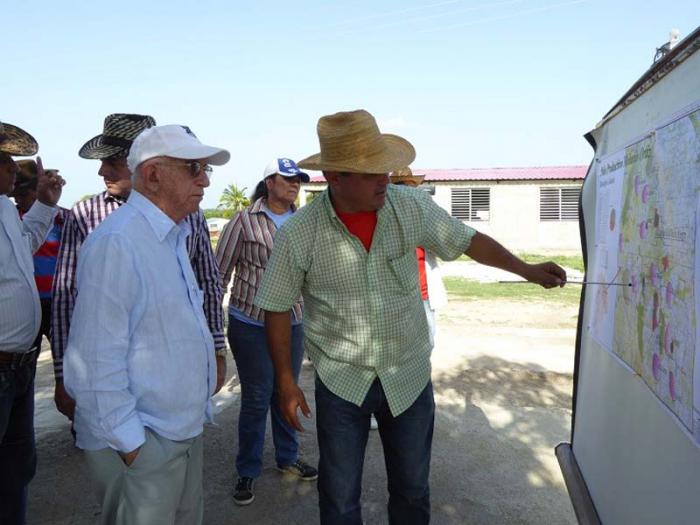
(285, 167)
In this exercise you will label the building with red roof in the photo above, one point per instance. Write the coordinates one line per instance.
(533, 209)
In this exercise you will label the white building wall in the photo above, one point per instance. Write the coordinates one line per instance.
(515, 216)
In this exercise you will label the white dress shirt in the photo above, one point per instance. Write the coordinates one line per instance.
(20, 309)
(140, 353)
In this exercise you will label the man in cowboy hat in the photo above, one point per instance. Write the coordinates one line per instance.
(20, 317)
(25, 195)
(111, 148)
(140, 362)
(351, 255)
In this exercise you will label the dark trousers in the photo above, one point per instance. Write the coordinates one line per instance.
(259, 395)
(17, 449)
(342, 438)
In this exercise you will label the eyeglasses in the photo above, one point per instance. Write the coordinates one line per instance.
(195, 166)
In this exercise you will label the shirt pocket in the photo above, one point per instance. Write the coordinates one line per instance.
(405, 271)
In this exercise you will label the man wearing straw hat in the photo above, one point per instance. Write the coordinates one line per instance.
(351, 254)
(20, 318)
(111, 148)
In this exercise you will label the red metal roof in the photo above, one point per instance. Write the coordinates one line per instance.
(466, 174)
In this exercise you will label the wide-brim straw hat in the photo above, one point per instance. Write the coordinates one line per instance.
(16, 141)
(405, 175)
(351, 142)
(120, 130)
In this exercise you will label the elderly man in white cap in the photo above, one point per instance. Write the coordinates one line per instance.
(351, 254)
(140, 362)
(111, 149)
(20, 319)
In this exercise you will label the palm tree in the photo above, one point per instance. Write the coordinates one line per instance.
(233, 199)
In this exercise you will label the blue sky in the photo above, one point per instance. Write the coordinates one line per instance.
(474, 83)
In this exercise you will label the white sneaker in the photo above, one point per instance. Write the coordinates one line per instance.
(373, 423)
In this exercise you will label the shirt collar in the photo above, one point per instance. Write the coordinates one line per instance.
(161, 224)
(108, 197)
(257, 206)
(260, 205)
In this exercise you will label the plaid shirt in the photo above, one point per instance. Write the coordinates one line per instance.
(364, 317)
(83, 218)
(245, 245)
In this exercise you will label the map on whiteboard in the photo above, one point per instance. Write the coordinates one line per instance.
(647, 224)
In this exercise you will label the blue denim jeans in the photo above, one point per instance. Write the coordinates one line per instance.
(258, 394)
(17, 448)
(342, 438)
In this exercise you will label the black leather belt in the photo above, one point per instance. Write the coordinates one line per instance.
(17, 359)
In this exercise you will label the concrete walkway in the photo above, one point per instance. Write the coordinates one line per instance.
(497, 421)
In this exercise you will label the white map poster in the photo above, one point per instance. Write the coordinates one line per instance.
(611, 171)
(651, 325)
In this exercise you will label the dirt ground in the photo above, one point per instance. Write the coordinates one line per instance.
(502, 378)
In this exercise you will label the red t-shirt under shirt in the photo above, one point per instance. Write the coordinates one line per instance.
(422, 277)
(361, 224)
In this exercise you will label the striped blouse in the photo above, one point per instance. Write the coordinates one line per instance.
(82, 219)
(245, 246)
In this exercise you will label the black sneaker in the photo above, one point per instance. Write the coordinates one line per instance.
(243, 494)
(301, 470)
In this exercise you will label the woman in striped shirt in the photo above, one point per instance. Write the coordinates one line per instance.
(244, 248)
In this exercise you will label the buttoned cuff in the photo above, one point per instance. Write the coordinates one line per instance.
(58, 368)
(219, 342)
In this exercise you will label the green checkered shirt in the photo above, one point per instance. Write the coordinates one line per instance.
(363, 313)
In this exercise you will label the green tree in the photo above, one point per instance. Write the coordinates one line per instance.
(233, 199)
(211, 213)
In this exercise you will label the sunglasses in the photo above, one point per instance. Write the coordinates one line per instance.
(195, 166)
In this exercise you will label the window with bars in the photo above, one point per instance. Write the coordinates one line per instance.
(559, 204)
(471, 204)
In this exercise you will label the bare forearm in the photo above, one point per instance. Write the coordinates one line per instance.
(278, 329)
(486, 250)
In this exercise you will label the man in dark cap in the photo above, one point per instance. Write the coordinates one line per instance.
(111, 149)
(20, 316)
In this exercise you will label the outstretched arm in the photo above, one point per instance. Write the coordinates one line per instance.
(486, 250)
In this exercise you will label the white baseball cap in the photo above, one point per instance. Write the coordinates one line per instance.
(285, 167)
(174, 141)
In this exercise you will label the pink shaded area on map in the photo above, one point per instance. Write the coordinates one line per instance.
(645, 193)
(656, 366)
(654, 274)
(672, 386)
(643, 229)
(635, 283)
